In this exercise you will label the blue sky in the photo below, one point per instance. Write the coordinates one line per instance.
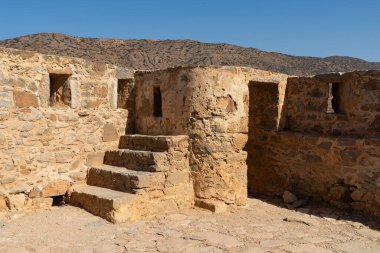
(298, 27)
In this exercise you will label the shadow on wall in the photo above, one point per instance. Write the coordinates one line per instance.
(265, 115)
(126, 100)
(327, 149)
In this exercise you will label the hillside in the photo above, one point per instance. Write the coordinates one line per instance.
(159, 54)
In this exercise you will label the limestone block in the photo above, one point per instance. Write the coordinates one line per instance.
(39, 202)
(176, 178)
(24, 99)
(101, 91)
(95, 158)
(30, 115)
(55, 188)
(20, 188)
(78, 175)
(17, 201)
(46, 157)
(63, 156)
(35, 192)
(4, 115)
(3, 140)
(3, 203)
(23, 126)
(5, 100)
(212, 205)
(60, 71)
(110, 133)
(68, 116)
(93, 103)
(7, 180)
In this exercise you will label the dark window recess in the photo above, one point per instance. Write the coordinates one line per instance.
(125, 95)
(157, 102)
(334, 103)
(60, 91)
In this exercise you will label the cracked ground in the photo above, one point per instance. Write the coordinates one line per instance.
(264, 225)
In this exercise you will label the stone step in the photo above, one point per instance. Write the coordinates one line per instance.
(122, 179)
(108, 204)
(157, 143)
(137, 160)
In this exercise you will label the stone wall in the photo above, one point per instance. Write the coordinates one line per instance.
(358, 98)
(46, 147)
(211, 106)
(334, 157)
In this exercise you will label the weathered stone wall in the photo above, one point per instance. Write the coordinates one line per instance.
(359, 99)
(45, 148)
(211, 106)
(176, 92)
(330, 156)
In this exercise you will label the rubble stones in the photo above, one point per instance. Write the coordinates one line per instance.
(289, 197)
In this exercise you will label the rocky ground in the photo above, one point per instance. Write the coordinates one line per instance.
(263, 226)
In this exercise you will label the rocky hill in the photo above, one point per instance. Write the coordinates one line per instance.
(159, 54)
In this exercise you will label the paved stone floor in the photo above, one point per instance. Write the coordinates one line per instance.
(263, 226)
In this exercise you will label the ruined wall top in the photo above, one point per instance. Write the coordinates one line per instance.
(213, 93)
(92, 84)
(334, 104)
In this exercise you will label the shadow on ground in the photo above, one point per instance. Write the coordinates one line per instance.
(324, 210)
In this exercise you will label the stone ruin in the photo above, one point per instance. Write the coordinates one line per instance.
(127, 144)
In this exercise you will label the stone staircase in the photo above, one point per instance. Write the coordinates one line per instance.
(146, 176)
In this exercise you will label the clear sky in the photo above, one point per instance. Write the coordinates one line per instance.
(298, 27)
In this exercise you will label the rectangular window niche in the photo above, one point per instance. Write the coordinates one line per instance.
(60, 90)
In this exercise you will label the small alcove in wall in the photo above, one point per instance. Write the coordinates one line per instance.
(60, 90)
(334, 102)
(125, 89)
(157, 102)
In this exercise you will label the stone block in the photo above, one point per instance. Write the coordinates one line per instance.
(350, 154)
(356, 195)
(24, 99)
(56, 188)
(30, 115)
(3, 203)
(39, 202)
(35, 192)
(7, 180)
(110, 133)
(337, 192)
(93, 103)
(212, 205)
(289, 197)
(63, 156)
(4, 115)
(176, 178)
(68, 116)
(17, 201)
(78, 175)
(95, 158)
(101, 91)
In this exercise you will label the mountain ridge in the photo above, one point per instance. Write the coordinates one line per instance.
(150, 54)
